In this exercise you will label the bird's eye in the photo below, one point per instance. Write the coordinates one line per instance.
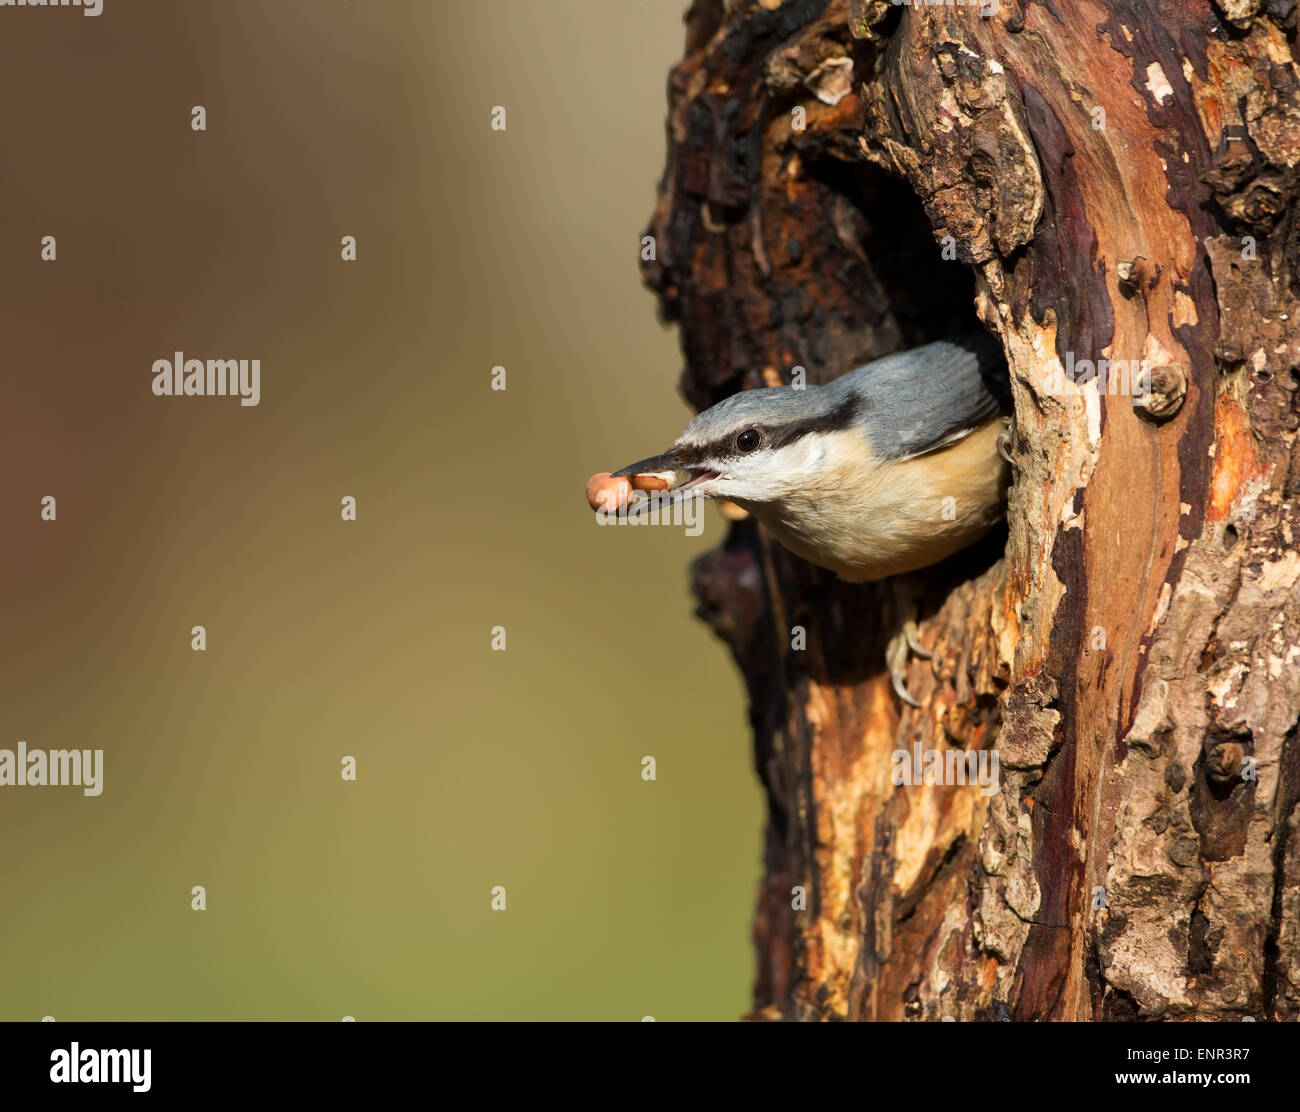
(748, 440)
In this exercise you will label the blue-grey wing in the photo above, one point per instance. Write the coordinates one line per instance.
(921, 400)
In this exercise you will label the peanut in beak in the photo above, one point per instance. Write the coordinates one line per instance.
(605, 492)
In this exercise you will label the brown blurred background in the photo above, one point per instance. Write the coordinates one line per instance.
(329, 118)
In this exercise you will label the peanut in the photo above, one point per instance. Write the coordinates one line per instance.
(604, 492)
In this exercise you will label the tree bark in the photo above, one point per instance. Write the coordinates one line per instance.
(1092, 181)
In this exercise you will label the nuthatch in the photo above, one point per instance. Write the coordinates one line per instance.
(889, 468)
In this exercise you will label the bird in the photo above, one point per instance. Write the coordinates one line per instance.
(887, 469)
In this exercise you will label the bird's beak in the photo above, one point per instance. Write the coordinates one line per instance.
(677, 479)
(655, 465)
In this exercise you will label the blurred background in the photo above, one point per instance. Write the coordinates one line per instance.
(372, 638)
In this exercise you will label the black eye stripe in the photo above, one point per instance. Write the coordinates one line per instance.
(838, 419)
(773, 436)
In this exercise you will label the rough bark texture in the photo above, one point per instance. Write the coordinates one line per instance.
(1133, 637)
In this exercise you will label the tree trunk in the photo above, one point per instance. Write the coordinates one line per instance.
(1093, 181)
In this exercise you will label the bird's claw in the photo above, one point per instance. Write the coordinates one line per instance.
(896, 655)
(901, 691)
(1004, 443)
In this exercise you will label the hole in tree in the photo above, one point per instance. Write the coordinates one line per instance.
(927, 296)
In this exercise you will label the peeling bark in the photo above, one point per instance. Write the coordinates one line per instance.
(1112, 181)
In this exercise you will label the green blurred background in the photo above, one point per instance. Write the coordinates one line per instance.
(523, 769)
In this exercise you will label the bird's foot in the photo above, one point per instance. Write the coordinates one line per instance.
(1004, 442)
(896, 654)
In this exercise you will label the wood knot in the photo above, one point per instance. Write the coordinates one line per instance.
(1129, 275)
(1159, 392)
